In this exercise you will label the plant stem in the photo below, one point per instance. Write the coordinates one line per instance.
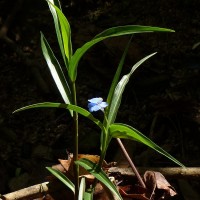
(131, 163)
(75, 153)
(104, 143)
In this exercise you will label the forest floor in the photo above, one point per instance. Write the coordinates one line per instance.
(162, 99)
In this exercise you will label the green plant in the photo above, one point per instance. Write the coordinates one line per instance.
(66, 84)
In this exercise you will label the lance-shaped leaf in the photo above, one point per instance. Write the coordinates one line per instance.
(56, 71)
(77, 109)
(111, 32)
(57, 26)
(99, 174)
(63, 30)
(125, 131)
(117, 74)
(116, 99)
(62, 178)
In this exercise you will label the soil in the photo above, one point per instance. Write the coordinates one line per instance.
(161, 100)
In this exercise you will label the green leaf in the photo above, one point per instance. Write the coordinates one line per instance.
(57, 26)
(77, 109)
(99, 174)
(131, 29)
(117, 74)
(82, 189)
(63, 30)
(111, 32)
(125, 131)
(56, 71)
(116, 99)
(62, 178)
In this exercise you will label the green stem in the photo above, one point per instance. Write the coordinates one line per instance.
(104, 149)
(105, 143)
(75, 153)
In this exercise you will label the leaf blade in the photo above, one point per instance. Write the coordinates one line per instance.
(117, 74)
(108, 33)
(63, 30)
(116, 100)
(56, 71)
(62, 178)
(125, 131)
(99, 174)
(130, 29)
(77, 109)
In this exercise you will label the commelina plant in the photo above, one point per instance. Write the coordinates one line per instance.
(66, 84)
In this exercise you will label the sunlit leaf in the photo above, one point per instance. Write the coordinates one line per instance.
(77, 109)
(82, 189)
(57, 26)
(116, 99)
(62, 178)
(99, 174)
(63, 30)
(130, 29)
(56, 71)
(125, 131)
(117, 74)
(111, 32)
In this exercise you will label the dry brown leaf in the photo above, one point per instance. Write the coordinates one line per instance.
(150, 182)
(162, 183)
(131, 192)
(158, 186)
(59, 167)
(93, 158)
(65, 163)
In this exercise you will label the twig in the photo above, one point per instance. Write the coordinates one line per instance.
(168, 172)
(32, 191)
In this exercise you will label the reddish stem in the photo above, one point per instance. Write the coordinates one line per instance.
(131, 163)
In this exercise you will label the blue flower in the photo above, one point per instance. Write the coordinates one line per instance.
(96, 104)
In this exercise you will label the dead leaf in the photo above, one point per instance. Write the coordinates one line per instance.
(133, 192)
(65, 163)
(158, 186)
(162, 183)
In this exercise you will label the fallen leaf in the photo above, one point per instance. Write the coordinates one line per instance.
(162, 183)
(158, 187)
(65, 163)
(133, 192)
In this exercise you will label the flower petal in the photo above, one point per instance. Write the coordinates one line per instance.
(95, 108)
(91, 105)
(97, 100)
(103, 104)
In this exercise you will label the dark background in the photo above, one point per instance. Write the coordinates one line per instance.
(161, 100)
